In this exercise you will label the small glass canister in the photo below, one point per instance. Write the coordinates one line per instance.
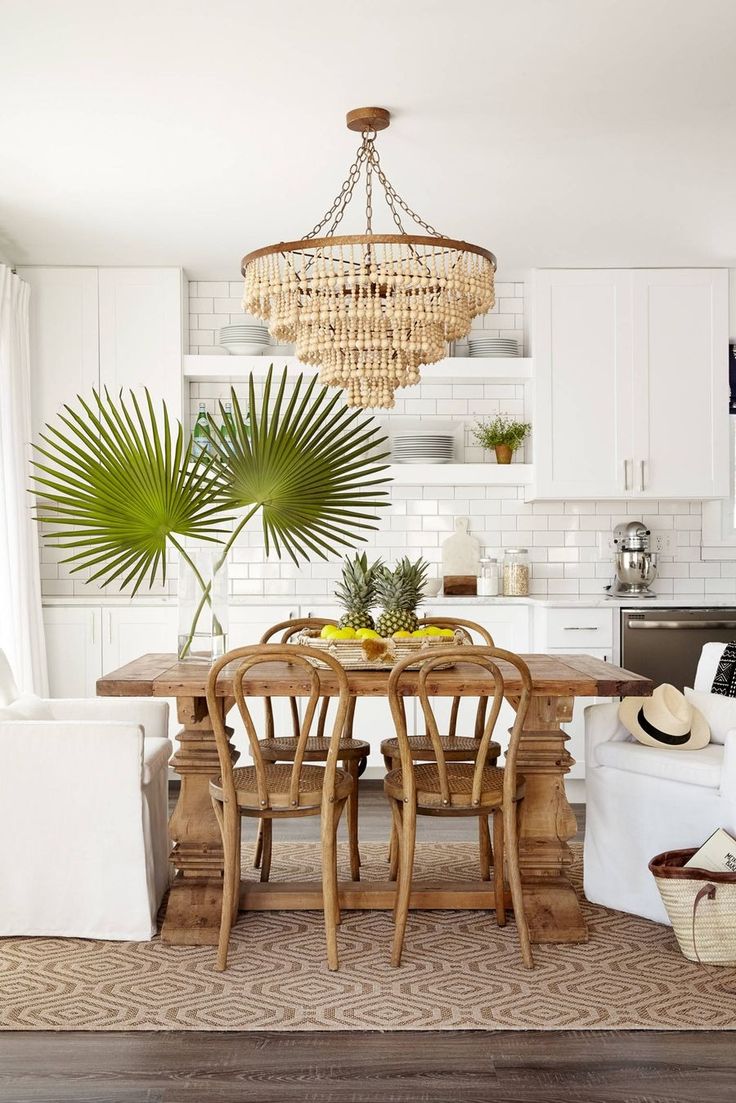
(516, 572)
(488, 578)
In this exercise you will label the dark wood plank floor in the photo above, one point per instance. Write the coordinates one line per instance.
(466, 1067)
(463, 1067)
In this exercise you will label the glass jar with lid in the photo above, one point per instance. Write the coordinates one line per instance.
(488, 578)
(516, 572)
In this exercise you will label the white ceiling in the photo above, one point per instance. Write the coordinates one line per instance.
(555, 132)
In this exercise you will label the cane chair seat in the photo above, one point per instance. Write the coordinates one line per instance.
(283, 749)
(456, 748)
(459, 783)
(278, 779)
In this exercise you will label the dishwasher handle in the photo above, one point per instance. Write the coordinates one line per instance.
(695, 624)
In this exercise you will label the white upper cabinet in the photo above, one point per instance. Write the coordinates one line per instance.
(141, 332)
(631, 383)
(582, 406)
(64, 338)
(109, 327)
(681, 388)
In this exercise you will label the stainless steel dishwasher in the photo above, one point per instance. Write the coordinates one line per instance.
(665, 644)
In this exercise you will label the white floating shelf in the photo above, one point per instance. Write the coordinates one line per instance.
(234, 369)
(461, 474)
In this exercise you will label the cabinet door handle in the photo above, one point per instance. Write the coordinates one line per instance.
(581, 628)
(109, 627)
(93, 629)
(626, 474)
(641, 474)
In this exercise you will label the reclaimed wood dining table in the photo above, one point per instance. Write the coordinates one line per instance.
(547, 821)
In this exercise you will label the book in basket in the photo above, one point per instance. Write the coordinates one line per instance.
(717, 854)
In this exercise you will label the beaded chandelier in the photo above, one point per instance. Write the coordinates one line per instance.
(369, 308)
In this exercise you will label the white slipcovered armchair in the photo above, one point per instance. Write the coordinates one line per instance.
(84, 848)
(644, 800)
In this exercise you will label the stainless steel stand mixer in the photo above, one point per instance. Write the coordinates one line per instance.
(635, 564)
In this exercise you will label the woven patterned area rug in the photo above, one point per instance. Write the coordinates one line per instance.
(460, 971)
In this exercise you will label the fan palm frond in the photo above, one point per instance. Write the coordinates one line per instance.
(311, 465)
(117, 483)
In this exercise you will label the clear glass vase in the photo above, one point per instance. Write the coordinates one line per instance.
(203, 605)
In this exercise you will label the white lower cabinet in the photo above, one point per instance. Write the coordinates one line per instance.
(575, 631)
(73, 649)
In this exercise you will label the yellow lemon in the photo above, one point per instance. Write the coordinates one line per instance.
(402, 635)
(328, 632)
(433, 630)
(448, 632)
(419, 633)
(344, 634)
(367, 634)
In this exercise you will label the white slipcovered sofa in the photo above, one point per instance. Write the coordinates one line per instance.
(644, 800)
(84, 847)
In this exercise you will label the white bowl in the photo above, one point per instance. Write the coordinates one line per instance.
(242, 348)
(432, 587)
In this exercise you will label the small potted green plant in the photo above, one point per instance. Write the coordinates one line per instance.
(503, 433)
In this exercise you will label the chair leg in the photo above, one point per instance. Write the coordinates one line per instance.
(267, 836)
(231, 882)
(517, 896)
(330, 899)
(392, 856)
(395, 848)
(484, 847)
(257, 856)
(238, 860)
(498, 868)
(352, 768)
(406, 867)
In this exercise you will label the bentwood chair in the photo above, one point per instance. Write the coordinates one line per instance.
(446, 788)
(353, 752)
(268, 791)
(456, 748)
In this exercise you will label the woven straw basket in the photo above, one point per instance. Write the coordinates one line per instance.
(351, 654)
(701, 906)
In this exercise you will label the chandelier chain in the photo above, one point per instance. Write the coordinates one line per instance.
(343, 197)
(369, 157)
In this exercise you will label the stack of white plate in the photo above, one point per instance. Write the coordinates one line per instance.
(247, 339)
(493, 346)
(423, 448)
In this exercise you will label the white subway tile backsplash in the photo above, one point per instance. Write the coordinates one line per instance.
(562, 537)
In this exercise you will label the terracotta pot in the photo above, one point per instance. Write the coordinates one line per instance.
(503, 452)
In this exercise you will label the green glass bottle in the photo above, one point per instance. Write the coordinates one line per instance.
(228, 425)
(200, 435)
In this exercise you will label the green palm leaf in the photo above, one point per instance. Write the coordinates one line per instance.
(119, 486)
(310, 464)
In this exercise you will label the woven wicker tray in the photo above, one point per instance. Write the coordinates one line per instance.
(352, 655)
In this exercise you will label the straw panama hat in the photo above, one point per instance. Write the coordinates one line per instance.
(666, 719)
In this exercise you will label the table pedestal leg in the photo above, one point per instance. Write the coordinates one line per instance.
(193, 909)
(547, 822)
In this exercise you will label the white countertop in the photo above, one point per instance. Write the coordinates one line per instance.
(588, 601)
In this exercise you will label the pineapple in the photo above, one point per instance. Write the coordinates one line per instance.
(399, 592)
(357, 592)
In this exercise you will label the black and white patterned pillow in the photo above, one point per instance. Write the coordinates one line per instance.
(724, 681)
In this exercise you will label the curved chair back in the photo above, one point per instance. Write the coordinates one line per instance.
(244, 660)
(488, 659)
(470, 630)
(288, 629)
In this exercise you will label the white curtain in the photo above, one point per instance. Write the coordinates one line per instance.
(21, 623)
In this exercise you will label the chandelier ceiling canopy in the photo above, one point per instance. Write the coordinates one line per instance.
(369, 308)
